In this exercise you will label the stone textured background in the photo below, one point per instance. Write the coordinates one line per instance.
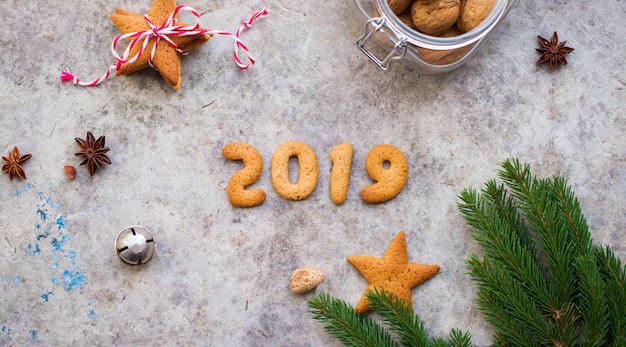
(221, 274)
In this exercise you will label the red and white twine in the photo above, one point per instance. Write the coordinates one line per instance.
(165, 31)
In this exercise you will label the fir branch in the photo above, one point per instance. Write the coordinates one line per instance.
(499, 230)
(409, 328)
(583, 301)
(506, 305)
(614, 276)
(341, 321)
(460, 339)
(537, 202)
(570, 207)
(354, 329)
(591, 302)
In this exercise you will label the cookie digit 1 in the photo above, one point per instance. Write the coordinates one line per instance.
(253, 166)
(390, 181)
(341, 156)
(307, 177)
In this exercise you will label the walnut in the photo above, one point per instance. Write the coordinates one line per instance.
(472, 13)
(405, 17)
(443, 57)
(434, 17)
(398, 6)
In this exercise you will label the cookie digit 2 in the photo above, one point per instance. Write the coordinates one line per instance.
(307, 177)
(390, 181)
(341, 156)
(253, 166)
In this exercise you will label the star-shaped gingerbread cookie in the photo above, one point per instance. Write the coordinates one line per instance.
(166, 59)
(392, 272)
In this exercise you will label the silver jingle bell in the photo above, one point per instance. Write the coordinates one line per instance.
(135, 245)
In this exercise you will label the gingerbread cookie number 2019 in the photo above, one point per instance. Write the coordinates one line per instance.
(386, 165)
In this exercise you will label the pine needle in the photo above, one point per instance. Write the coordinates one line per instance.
(399, 316)
(341, 321)
(353, 329)
(542, 281)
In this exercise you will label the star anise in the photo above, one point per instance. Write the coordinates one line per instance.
(553, 50)
(94, 152)
(13, 164)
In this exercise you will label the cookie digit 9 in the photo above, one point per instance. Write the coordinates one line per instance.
(341, 156)
(390, 181)
(307, 177)
(253, 166)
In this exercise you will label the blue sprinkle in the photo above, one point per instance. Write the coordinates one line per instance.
(61, 222)
(33, 334)
(72, 255)
(55, 261)
(56, 205)
(33, 249)
(55, 280)
(42, 214)
(92, 314)
(46, 296)
(58, 244)
(44, 234)
(73, 280)
(18, 191)
(37, 225)
(16, 280)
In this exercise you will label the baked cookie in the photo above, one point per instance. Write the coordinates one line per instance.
(390, 181)
(341, 156)
(166, 59)
(393, 273)
(253, 166)
(307, 177)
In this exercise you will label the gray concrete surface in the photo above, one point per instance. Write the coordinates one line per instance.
(221, 274)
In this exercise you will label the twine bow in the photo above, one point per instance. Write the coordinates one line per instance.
(169, 28)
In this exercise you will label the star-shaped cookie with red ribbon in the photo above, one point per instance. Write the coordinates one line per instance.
(170, 44)
(392, 273)
(158, 40)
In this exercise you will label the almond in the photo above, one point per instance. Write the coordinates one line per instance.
(305, 279)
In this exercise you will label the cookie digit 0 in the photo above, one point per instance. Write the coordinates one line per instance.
(307, 177)
(390, 181)
(253, 166)
(341, 156)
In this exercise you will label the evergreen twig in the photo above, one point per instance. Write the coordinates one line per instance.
(341, 321)
(354, 329)
(542, 281)
(409, 328)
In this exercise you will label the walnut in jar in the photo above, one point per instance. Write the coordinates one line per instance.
(434, 17)
(398, 6)
(472, 13)
(444, 57)
(405, 17)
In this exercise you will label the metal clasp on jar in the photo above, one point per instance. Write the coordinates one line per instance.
(398, 51)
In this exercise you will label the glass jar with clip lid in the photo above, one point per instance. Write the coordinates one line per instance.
(401, 40)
